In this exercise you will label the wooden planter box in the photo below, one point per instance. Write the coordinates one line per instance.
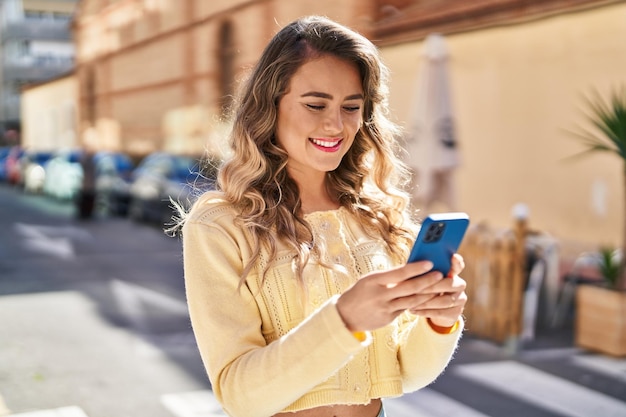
(601, 319)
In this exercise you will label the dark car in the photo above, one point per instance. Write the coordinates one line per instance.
(160, 177)
(113, 177)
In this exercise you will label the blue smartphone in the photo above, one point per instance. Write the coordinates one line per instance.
(439, 238)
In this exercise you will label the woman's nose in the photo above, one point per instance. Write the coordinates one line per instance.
(333, 121)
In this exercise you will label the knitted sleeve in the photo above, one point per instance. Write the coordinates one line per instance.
(423, 353)
(249, 377)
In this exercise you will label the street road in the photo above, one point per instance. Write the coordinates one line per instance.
(93, 323)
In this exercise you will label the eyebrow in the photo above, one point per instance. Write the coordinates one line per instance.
(357, 96)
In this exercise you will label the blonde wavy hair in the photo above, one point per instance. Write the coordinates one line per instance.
(369, 178)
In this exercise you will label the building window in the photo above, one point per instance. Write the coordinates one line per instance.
(39, 15)
(90, 95)
(226, 63)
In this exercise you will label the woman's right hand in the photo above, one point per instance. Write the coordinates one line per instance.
(378, 298)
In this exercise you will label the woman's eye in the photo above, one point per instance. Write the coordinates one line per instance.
(315, 107)
(352, 109)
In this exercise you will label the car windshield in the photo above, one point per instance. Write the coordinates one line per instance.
(41, 158)
(122, 162)
(74, 157)
(184, 167)
(113, 163)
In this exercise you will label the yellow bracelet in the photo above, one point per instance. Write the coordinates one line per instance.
(441, 329)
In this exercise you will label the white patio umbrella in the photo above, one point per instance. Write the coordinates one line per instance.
(431, 144)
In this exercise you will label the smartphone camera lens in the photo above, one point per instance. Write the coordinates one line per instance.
(434, 232)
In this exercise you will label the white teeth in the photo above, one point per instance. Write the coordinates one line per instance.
(324, 143)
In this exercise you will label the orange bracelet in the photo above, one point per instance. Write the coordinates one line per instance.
(441, 329)
(360, 336)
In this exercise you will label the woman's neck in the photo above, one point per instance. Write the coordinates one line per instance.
(315, 196)
(319, 205)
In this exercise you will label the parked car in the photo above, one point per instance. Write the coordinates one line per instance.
(63, 175)
(159, 177)
(32, 171)
(113, 176)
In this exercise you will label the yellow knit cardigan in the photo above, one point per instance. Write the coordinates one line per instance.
(270, 349)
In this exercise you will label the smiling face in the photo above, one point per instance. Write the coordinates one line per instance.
(319, 116)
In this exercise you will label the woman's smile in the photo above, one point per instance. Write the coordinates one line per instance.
(327, 145)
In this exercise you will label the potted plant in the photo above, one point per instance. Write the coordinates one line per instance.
(601, 309)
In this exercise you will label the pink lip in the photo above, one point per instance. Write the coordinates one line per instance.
(333, 148)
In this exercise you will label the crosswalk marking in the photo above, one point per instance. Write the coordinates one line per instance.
(397, 407)
(193, 404)
(135, 302)
(36, 240)
(515, 379)
(542, 389)
(428, 403)
(56, 241)
(613, 367)
(551, 353)
(71, 411)
(524, 382)
(424, 403)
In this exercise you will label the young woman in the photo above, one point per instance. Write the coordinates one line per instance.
(300, 296)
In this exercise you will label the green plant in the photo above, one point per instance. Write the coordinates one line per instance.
(608, 264)
(609, 120)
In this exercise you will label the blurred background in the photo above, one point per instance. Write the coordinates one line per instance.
(156, 75)
(126, 102)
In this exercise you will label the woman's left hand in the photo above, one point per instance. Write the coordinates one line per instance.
(448, 297)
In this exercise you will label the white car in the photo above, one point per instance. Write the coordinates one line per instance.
(63, 175)
(33, 172)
